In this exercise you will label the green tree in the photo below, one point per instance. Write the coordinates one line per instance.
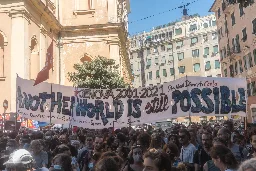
(100, 73)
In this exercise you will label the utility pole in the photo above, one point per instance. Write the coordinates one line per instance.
(142, 63)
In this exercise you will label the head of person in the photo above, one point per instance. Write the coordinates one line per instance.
(223, 158)
(156, 141)
(217, 141)
(192, 133)
(36, 147)
(75, 143)
(184, 137)
(229, 125)
(61, 162)
(48, 135)
(136, 153)
(89, 141)
(172, 150)
(107, 164)
(20, 160)
(155, 160)
(63, 139)
(11, 145)
(63, 149)
(207, 140)
(253, 140)
(248, 165)
(122, 152)
(98, 143)
(144, 140)
(224, 134)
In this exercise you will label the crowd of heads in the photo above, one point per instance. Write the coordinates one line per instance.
(196, 147)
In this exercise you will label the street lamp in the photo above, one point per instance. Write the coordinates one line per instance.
(5, 106)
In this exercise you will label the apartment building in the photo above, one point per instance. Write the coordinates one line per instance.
(174, 50)
(237, 44)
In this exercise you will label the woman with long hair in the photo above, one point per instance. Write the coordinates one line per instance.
(223, 158)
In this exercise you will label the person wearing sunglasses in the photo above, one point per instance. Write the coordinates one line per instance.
(188, 150)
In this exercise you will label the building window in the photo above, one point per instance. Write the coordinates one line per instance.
(214, 23)
(214, 36)
(218, 75)
(163, 60)
(164, 73)
(206, 25)
(182, 69)
(162, 48)
(180, 56)
(193, 27)
(179, 44)
(254, 56)
(231, 70)
(148, 62)
(236, 68)
(155, 49)
(196, 67)
(254, 26)
(245, 62)
(244, 34)
(207, 66)
(178, 31)
(156, 60)
(150, 75)
(217, 64)
(194, 40)
(250, 60)
(205, 38)
(241, 9)
(206, 51)
(169, 47)
(215, 49)
(83, 4)
(157, 74)
(225, 73)
(148, 51)
(219, 13)
(195, 53)
(241, 65)
(172, 71)
(233, 19)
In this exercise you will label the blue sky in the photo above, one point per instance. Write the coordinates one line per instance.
(145, 8)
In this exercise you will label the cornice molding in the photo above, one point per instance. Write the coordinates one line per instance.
(17, 13)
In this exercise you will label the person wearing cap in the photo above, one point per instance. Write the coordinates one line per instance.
(20, 160)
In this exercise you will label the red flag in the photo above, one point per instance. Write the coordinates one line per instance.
(43, 75)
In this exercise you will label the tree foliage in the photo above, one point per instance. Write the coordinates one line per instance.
(100, 73)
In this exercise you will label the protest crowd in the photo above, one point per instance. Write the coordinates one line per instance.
(197, 147)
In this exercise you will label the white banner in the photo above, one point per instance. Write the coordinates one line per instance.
(97, 109)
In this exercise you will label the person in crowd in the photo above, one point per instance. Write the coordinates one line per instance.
(11, 146)
(98, 144)
(144, 141)
(155, 160)
(239, 152)
(156, 141)
(107, 164)
(173, 138)
(20, 160)
(223, 158)
(61, 162)
(193, 140)
(252, 153)
(199, 135)
(202, 154)
(173, 152)
(135, 160)
(40, 156)
(123, 152)
(187, 150)
(248, 165)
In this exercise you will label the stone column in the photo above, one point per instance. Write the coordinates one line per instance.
(114, 54)
(43, 47)
(19, 50)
